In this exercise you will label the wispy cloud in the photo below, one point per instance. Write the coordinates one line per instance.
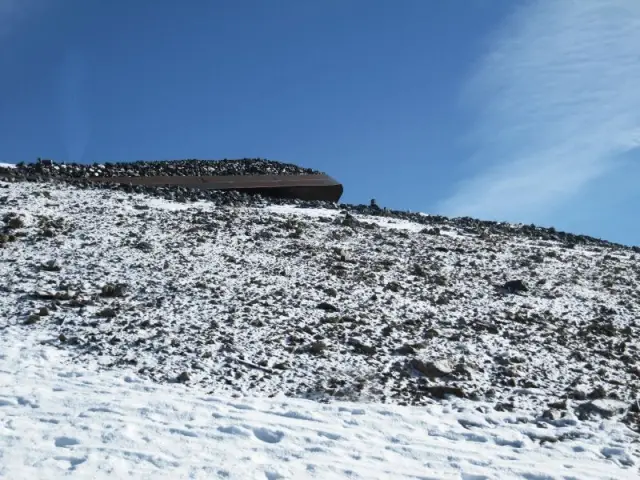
(558, 104)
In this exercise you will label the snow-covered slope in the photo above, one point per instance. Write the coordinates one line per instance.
(521, 352)
(62, 419)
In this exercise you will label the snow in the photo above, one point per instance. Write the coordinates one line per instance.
(226, 294)
(309, 212)
(7, 165)
(60, 419)
(384, 222)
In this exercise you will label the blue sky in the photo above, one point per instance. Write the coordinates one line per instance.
(524, 111)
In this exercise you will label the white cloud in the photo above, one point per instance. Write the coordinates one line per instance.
(558, 102)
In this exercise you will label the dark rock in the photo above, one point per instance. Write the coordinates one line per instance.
(442, 391)
(431, 333)
(183, 377)
(515, 286)
(552, 414)
(144, 247)
(405, 349)
(393, 286)
(418, 271)
(502, 360)
(32, 319)
(14, 222)
(281, 366)
(317, 347)
(363, 348)
(327, 307)
(349, 221)
(106, 313)
(51, 266)
(559, 405)
(598, 392)
(463, 370)
(113, 290)
(504, 407)
(605, 408)
(332, 292)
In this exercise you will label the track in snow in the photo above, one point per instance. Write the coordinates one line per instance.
(58, 420)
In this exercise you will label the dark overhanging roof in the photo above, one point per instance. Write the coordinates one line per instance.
(304, 187)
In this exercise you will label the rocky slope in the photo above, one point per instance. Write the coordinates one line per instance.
(325, 301)
(246, 166)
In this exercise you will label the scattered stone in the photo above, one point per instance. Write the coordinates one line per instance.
(418, 271)
(431, 333)
(281, 366)
(363, 348)
(405, 349)
(327, 307)
(332, 292)
(577, 394)
(317, 347)
(32, 319)
(552, 414)
(51, 266)
(14, 222)
(266, 325)
(598, 392)
(442, 391)
(144, 247)
(393, 286)
(559, 405)
(106, 313)
(606, 408)
(431, 369)
(515, 286)
(349, 221)
(113, 290)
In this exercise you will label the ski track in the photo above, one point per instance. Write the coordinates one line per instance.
(61, 420)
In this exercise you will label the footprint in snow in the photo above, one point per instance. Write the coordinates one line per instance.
(268, 436)
(65, 442)
(330, 436)
(474, 437)
(471, 476)
(73, 461)
(273, 475)
(234, 430)
(8, 402)
(25, 402)
(183, 432)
